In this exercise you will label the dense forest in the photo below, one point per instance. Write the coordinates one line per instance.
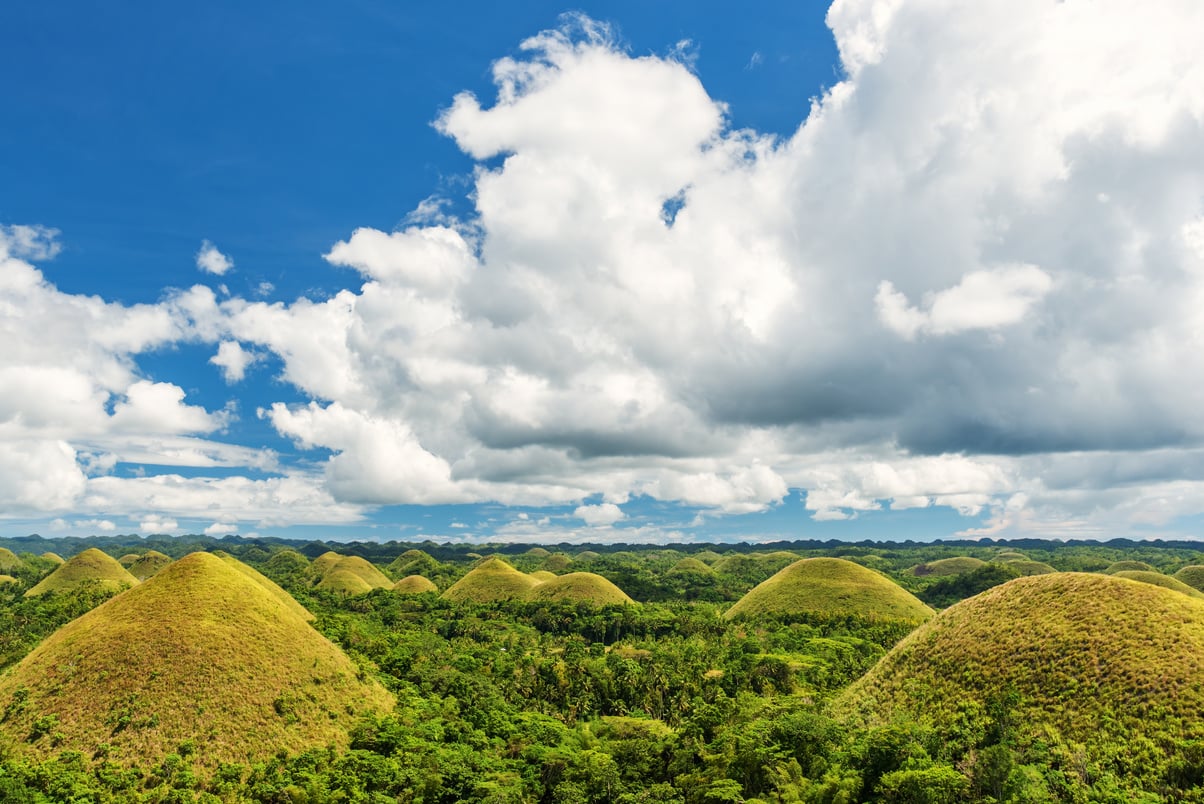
(1055, 679)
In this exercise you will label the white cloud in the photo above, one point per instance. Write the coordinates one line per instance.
(233, 360)
(221, 529)
(601, 515)
(212, 261)
(154, 525)
(975, 268)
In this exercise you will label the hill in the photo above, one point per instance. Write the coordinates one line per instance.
(148, 564)
(542, 575)
(90, 566)
(362, 569)
(691, 566)
(9, 560)
(1158, 579)
(948, 566)
(1192, 575)
(322, 564)
(344, 582)
(7, 580)
(581, 587)
(412, 562)
(491, 580)
(831, 587)
(55, 557)
(200, 652)
(1026, 567)
(1074, 652)
(414, 585)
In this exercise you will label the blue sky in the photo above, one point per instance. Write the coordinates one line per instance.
(623, 271)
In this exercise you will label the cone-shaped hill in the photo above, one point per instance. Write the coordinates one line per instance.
(148, 564)
(322, 564)
(352, 575)
(198, 652)
(9, 560)
(1192, 575)
(1077, 651)
(412, 562)
(128, 559)
(691, 566)
(542, 575)
(414, 585)
(948, 566)
(1026, 567)
(1158, 579)
(90, 566)
(55, 557)
(8, 580)
(831, 587)
(581, 587)
(489, 581)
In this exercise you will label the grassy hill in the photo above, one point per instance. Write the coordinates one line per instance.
(323, 563)
(414, 585)
(831, 587)
(948, 566)
(267, 583)
(363, 569)
(9, 560)
(1192, 575)
(7, 580)
(542, 575)
(491, 580)
(199, 652)
(412, 562)
(344, 582)
(1027, 567)
(54, 557)
(691, 566)
(581, 587)
(1076, 652)
(148, 564)
(90, 566)
(1158, 579)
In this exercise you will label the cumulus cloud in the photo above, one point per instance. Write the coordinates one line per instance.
(973, 277)
(212, 261)
(601, 515)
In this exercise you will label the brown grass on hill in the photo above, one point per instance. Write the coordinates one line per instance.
(199, 652)
(831, 587)
(491, 580)
(414, 585)
(90, 566)
(581, 587)
(1077, 650)
(9, 560)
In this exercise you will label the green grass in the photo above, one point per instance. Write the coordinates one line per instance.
(54, 557)
(538, 552)
(831, 587)
(542, 575)
(344, 582)
(1010, 555)
(1128, 566)
(1158, 579)
(948, 566)
(128, 559)
(5, 580)
(412, 562)
(90, 566)
(363, 569)
(200, 652)
(581, 587)
(324, 562)
(586, 555)
(557, 562)
(1076, 651)
(414, 585)
(708, 557)
(267, 583)
(1192, 575)
(148, 564)
(491, 580)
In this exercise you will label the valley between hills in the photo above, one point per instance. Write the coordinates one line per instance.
(198, 670)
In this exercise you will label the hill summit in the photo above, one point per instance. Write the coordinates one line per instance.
(831, 587)
(90, 566)
(1076, 651)
(489, 581)
(201, 651)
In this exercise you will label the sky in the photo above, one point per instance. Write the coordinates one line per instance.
(613, 272)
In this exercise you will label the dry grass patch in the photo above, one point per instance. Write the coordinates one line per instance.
(691, 566)
(948, 566)
(9, 560)
(1192, 575)
(1158, 579)
(414, 585)
(147, 564)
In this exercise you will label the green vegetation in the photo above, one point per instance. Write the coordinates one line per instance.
(91, 567)
(949, 566)
(1128, 566)
(53, 557)
(580, 587)
(520, 698)
(1025, 567)
(831, 587)
(198, 653)
(690, 565)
